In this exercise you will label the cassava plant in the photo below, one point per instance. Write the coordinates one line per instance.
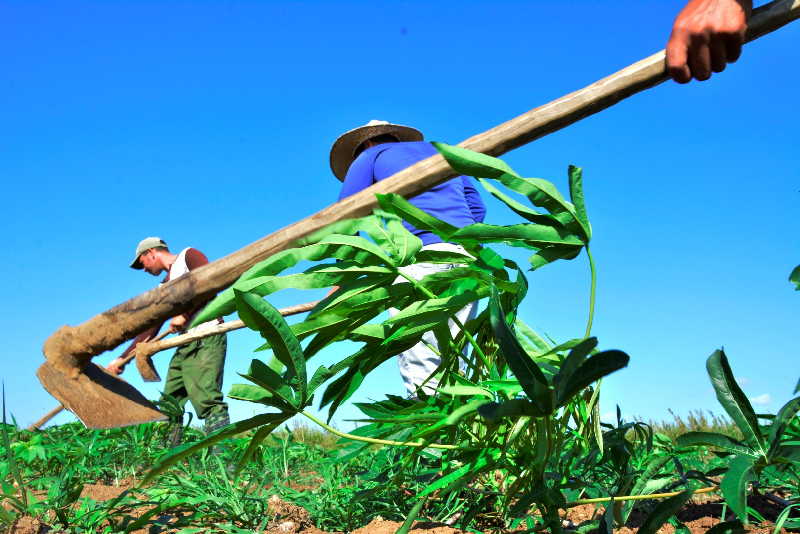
(508, 401)
(762, 446)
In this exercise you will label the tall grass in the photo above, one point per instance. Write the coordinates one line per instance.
(696, 421)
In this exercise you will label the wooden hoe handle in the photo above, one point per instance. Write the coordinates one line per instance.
(71, 348)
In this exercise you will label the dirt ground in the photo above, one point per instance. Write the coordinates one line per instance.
(699, 517)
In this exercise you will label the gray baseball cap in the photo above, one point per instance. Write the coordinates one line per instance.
(144, 245)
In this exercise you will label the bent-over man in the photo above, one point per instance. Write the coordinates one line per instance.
(196, 370)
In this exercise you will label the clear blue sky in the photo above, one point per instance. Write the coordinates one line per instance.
(209, 124)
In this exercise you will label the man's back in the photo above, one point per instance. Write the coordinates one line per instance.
(455, 201)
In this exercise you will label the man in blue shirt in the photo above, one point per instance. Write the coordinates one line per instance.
(378, 150)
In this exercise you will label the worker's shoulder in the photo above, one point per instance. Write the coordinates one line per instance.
(407, 151)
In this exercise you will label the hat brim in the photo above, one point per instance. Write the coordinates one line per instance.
(136, 264)
(343, 149)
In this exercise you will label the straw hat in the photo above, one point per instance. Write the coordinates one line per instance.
(343, 150)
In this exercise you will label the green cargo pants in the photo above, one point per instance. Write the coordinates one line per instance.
(195, 374)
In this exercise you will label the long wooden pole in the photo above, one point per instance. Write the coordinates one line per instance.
(71, 348)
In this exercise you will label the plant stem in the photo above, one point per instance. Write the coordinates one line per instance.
(593, 271)
(639, 497)
(379, 441)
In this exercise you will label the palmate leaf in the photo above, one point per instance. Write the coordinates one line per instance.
(524, 368)
(394, 203)
(552, 253)
(349, 248)
(262, 316)
(520, 209)
(577, 355)
(518, 235)
(794, 277)
(593, 369)
(734, 484)
(576, 195)
(471, 163)
(387, 230)
(733, 400)
(266, 378)
(540, 192)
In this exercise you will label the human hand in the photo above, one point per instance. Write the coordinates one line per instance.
(116, 366)
(706, 35)
(178, 323)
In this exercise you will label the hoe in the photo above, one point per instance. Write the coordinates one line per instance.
(101, 400)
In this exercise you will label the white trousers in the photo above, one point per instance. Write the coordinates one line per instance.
(419, 362)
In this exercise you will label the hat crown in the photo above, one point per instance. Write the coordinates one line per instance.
(344, 149)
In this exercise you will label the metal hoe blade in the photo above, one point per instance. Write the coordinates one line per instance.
(97, 398)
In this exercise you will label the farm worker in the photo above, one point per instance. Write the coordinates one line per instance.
(706, 35)
(195, 371)
(376, 151)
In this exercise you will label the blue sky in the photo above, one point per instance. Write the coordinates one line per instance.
(209, 124)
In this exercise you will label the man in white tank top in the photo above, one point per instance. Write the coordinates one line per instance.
(196, 370)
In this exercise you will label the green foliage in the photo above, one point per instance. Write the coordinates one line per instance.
(512, 428)
(794, 277)
(760, 447)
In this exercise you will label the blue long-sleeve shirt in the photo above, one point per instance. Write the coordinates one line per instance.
(455, 201)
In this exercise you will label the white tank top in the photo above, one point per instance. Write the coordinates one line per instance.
(179, 268)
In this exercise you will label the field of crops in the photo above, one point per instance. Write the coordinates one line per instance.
(510, 440)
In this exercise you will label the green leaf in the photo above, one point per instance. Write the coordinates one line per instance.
(179, 453)
(640, 487)
(539, 344)
(262, 316)
(553, 253)
(576, 195)
(251, 393)
(517, 235)
(794, 278)
(593, 369)
(784, 416)
(394, 203)
(733, 400)
(390, 234)
(524, 368)
(471, 163)
(663, 511)
(264, 376)
(467, 471)
(260, 435)
(342, 247)
(727, 527)
(520, 209)
(577, 355)
(734, 484)
(714, 439)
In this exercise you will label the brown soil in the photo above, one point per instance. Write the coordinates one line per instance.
(288, 518)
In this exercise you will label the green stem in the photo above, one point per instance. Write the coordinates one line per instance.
(593, 270)
(455, 319)
(376, 440)
(639, 497)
